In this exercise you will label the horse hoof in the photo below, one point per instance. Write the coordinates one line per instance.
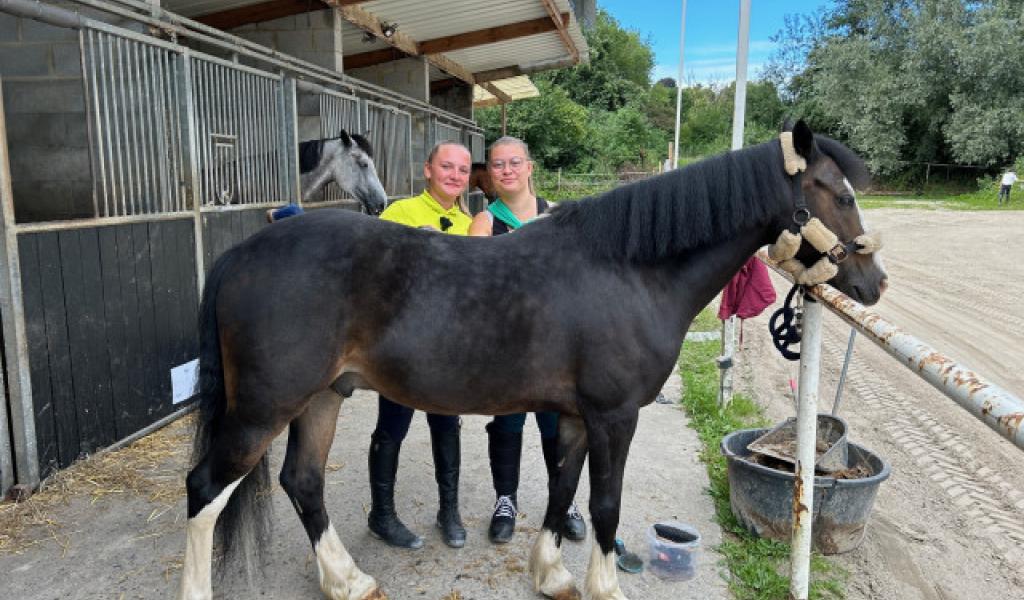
(568, 594)
(375, 594)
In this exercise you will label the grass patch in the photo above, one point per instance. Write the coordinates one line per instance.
(759, 567)
(943, 201)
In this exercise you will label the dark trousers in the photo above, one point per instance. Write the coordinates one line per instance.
(394, 419)
(546, 421)
(1004, 192)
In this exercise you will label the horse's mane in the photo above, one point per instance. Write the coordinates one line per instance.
(312, 151)
(707, 201)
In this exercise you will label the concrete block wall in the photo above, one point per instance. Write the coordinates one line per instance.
(314, 37)
(409, 76)
(457, 100)
(47, 128)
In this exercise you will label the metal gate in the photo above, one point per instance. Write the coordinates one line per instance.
(240, 137)
(446, 133)
(388, 127)
(475, 142)
(337, 112)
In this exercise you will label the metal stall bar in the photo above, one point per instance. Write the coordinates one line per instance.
(1002, 411)
(187, 106)
(12, 311)
(806, 434)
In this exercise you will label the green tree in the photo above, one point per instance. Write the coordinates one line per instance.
(911, 80)
(552, 125)
(618, 71)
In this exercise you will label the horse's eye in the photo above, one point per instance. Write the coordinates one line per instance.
(363, 164)
(846, 200)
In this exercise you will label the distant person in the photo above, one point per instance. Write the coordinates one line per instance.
(1009, 178)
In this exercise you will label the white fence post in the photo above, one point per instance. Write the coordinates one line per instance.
(807, 425)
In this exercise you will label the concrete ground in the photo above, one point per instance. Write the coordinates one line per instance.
(125, 548)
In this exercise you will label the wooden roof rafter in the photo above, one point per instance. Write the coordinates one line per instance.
(562, 25)
(265, 11)
(367, 21)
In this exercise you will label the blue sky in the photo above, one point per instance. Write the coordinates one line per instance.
(711, 29)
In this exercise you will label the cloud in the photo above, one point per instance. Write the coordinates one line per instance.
(705, 72)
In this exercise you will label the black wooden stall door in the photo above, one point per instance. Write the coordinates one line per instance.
(108, 311)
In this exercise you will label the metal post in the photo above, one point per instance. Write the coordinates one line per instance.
(191, 130)
(674, 154)
(504, 120)
(738, 120)
(807, 425)
(19, 382)
(290, 131)
(742, 50)
(842, 375)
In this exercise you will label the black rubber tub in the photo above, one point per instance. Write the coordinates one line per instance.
(762, 497)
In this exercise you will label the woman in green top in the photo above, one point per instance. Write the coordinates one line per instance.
(510, 170)
(447, 174)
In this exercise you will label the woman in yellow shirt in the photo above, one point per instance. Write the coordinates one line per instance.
(447, 174)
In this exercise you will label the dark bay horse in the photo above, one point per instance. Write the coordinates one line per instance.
(583, 313)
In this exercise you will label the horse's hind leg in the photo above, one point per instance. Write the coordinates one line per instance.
(234, 451)
(302, 477)
(609, 437)
(550, 577)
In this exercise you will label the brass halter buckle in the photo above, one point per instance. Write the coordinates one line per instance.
(838, 253)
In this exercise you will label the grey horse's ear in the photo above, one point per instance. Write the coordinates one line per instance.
(803, 139)
(345, 139)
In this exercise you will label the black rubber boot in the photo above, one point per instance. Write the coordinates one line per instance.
(505, 450)
(575, 526)
(447, 453)
(383, 520)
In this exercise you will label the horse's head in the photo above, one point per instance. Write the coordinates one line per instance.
(351, 164)
(832, 173)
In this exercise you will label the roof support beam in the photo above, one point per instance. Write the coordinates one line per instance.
(506, 72)
(500, 95)
(489, 35)
(264, 11)
(562, 24)
(367, 21)
(460, 41)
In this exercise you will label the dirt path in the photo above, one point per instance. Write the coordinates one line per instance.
(948, 524)
(123, 547)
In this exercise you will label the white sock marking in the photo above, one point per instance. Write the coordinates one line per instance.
(549, 574)
(195, 575)
(602, 580)
(340, 578)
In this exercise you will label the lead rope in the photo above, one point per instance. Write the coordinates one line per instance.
(786, 322)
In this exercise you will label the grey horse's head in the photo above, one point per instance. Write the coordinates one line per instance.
(350, 160)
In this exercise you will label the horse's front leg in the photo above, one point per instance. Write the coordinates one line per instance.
(550, 577)
(609, 437)
(302, 477)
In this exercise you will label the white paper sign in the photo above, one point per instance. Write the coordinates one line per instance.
(185, 381)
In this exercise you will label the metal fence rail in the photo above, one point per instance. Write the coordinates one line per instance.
(239, 151)
(133, 94)
(388, 127)
(475, 142)
(337, 112)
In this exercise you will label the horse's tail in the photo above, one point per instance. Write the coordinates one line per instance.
(244, 523)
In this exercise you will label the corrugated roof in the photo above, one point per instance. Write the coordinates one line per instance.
(516, 88)
(422, 21)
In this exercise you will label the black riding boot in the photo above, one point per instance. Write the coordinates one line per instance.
(382, 520)
(446, 448)
(575, 526)
(505, 450)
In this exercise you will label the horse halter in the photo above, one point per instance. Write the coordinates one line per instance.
(804, 226)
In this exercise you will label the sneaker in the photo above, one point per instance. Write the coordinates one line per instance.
(503, 522)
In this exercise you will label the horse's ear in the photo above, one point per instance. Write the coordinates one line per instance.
(803, 139)
(345, 139)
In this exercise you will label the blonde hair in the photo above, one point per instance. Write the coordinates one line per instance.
(507, 140)
(437, 146)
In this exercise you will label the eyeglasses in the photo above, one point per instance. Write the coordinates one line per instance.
(515, 163)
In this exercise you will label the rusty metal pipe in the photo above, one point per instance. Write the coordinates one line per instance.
(806, 442)
(1001, 410)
